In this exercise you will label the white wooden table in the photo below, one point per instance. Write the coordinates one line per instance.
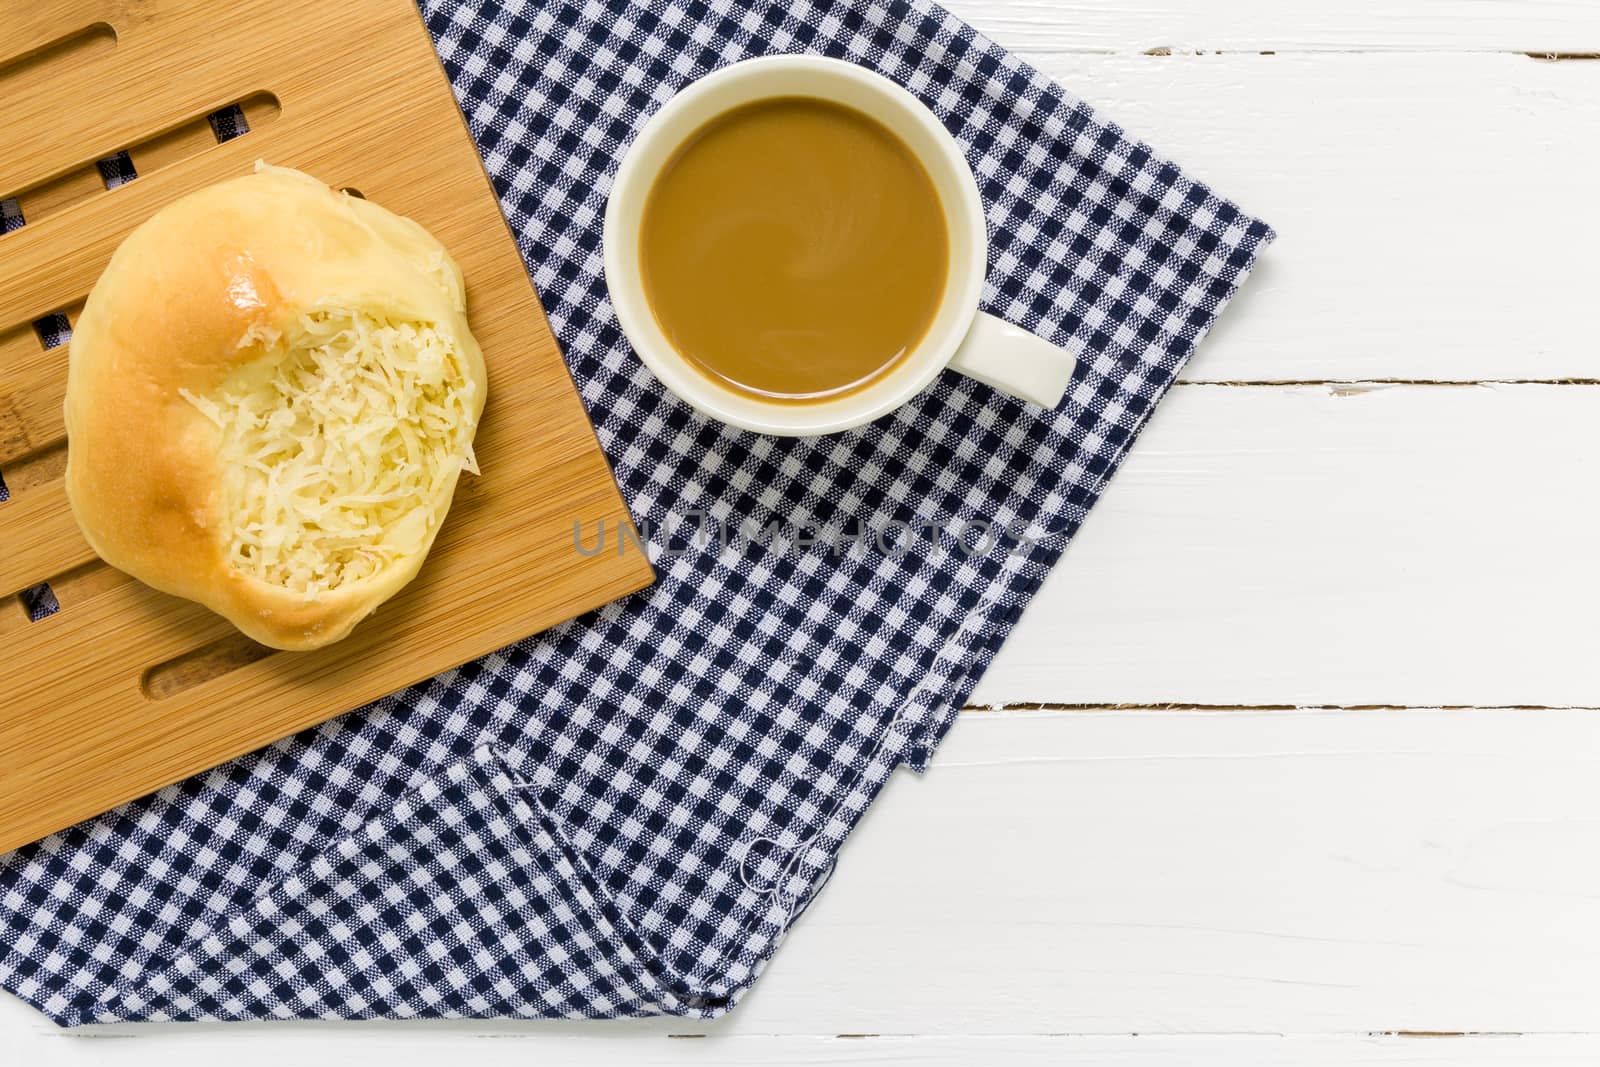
(1318, 779)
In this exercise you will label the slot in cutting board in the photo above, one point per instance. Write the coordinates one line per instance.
(126, 689)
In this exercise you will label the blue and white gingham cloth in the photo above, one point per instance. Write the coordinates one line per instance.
(624, 815)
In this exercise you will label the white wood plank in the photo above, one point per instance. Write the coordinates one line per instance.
(1435, 212)
(1136, 25)
(1236, 873)
(1141, 873)
(1061, 876)
(617, 1045)
(1332, 545)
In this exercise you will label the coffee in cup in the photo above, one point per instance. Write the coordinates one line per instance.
(794, 249)
(775, 286)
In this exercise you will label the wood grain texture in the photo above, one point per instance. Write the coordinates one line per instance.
(92, 717)
(39, 536)
(1404, 858)
(1139, 873)
(1435, 214)
(33, 388)
(1157, 873)
(1411, 545)
(652, 1045)
(1287, 25)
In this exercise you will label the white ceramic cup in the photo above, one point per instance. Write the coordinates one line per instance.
(960, 336)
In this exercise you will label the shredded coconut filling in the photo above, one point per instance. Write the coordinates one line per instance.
(335, 446)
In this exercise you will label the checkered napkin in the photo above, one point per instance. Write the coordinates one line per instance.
(625, 815)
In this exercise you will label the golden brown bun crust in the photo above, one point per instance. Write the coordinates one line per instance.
(173, 311)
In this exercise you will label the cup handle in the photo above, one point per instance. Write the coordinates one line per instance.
(1014, 361)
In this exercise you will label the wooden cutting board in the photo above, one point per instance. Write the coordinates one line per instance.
(125, 689)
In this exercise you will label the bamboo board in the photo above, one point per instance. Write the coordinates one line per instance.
(125, 689)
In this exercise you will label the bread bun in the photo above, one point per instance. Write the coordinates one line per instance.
(271, 393)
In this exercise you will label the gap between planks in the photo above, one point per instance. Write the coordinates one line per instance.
(1168, 52)
(1359, 383)
(1052, 706)
(1355, 1034)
